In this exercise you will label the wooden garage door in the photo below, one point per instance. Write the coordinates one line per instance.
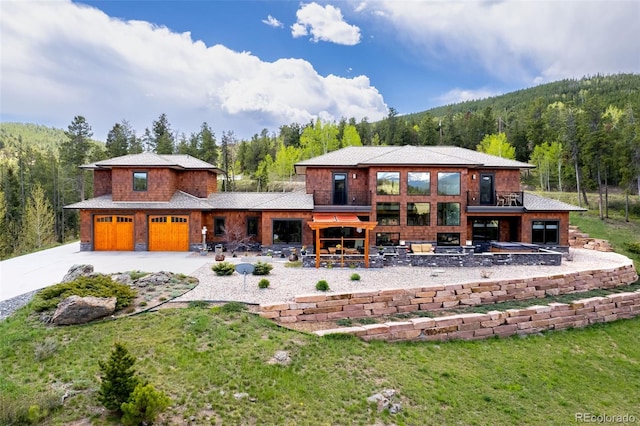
(113, 232)
(168, 233)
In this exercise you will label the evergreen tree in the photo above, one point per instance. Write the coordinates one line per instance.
(228, 143)
(38, 222)
(207, 149)
(118, 378)
(74, 152)
(163, 140)
(120, 139)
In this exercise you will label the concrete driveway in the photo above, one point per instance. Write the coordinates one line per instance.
(38, 270)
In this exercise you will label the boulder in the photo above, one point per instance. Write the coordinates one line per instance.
(80, 310)
(122, 279)
(77, 271)
(153, 280)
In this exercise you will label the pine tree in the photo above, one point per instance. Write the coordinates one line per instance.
(38, 222)
(75, 150)
(208, 151)
(164, 142)
(118, 378)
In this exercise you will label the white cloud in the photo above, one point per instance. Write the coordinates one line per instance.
(525, 41)
(272, 22)
(324, 24)
(61, 59)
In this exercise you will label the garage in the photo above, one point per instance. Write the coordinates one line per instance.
(168, 233)
(113, 232)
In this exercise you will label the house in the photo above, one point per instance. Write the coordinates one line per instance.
(449, 196)
(170, 203)
(354, 198)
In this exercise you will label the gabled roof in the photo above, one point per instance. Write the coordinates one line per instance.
(533, 202)
(179, 201)
(260, 201)
(408, 155)
(150, 159)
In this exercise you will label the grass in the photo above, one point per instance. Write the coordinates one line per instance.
(201, 357)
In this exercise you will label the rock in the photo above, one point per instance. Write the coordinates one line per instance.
(383, 401)
(155, 279)
(395, 408)
(122, 279)
(240, 395)
(80, 310)
(280, 357)
(77, 271)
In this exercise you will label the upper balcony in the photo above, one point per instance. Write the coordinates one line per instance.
(497, 201)
(342, 200)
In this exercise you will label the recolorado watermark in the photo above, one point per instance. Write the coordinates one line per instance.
(605, 418)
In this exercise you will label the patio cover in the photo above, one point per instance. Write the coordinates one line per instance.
(340, 220)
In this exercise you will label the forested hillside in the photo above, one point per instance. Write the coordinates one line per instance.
(582, 135)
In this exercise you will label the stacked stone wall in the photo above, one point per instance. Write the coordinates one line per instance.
(327, 307)
(530, 320)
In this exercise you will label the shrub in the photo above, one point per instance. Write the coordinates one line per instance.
(294, 264)
(118, 378)
(322, 285)
(198, 304)
(233, 307)
(344, 322)
(97, 286)
(144, 406)
(263, 283)
(223, 268)
(355, 277)
(633, 247)
(262, 268)
(45, 349)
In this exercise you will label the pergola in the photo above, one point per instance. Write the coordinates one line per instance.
(338, 220)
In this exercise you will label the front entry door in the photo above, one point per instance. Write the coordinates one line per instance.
(487, 190)
(339, 189)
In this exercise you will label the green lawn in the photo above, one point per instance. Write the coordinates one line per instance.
(202, 356)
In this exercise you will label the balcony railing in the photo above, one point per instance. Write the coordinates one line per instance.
(495, 199)
(350, 198)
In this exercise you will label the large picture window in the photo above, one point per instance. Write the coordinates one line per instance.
(545, 232)
(388, 213)
(139, 181)
(418, 183)
(418, 214)
(387, 239)
(388, 183)
(448, 183)
(448, 214)
(287, 231)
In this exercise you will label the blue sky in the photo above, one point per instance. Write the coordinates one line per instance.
(249, 65)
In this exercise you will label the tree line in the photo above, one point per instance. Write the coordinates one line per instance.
(583, 139)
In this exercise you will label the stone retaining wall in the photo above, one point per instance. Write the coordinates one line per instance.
(533, 319)
(324, 307)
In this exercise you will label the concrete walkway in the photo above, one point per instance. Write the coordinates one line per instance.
(34, 271)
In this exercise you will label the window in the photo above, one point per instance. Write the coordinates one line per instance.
(287, 231)
(448, 239)
(388, 213)
(252, 226)
(545, 232)
(485, 230)
(448, 214)
(387, 239)
(388, 183)
(448, 183)
(139, 181)
(218, 226)
(418, 183)
(418, 214)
